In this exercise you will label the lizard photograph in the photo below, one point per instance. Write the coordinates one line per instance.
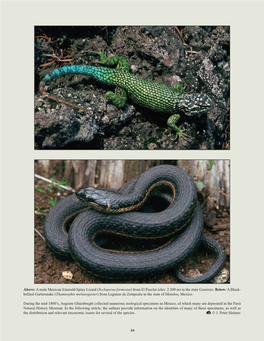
(132, 87)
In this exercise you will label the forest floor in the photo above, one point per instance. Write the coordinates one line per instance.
(49, 266)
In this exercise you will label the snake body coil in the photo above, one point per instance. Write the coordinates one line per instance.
(183, 215)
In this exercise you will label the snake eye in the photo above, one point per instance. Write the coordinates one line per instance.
(80, 195)
(95, 197)
(87, 195)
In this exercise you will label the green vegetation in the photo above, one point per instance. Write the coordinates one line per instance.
(48, 187)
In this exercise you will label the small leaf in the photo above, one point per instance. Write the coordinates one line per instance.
(211, 164)
(39, 213)
(199, 185)
(52, 202)
(40, 190)
(63, 182)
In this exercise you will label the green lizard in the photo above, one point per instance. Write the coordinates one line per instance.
(152, 95)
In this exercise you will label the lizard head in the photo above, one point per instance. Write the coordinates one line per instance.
(195, 104)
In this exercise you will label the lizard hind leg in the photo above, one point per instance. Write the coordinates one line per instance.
(118, 61)
(118, 98)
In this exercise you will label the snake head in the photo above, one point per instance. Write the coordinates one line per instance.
(195, 104)
(100, 199)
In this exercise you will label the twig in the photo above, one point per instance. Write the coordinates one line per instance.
(190, 51)
(179, 32)
(217, 189)
(54, 182)
(39, 234)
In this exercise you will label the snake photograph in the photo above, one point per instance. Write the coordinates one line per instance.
(160, 204)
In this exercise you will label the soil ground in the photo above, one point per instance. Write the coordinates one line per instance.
(50, 266)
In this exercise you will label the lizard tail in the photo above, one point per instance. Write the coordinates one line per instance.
(101, 74)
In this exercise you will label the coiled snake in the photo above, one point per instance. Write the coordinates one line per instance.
(182, 220)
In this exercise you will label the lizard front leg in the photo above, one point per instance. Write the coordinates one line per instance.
(172, 120)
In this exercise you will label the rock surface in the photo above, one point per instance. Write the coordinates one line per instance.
(200, 62)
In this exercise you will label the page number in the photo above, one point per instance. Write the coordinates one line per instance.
(132, 330)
